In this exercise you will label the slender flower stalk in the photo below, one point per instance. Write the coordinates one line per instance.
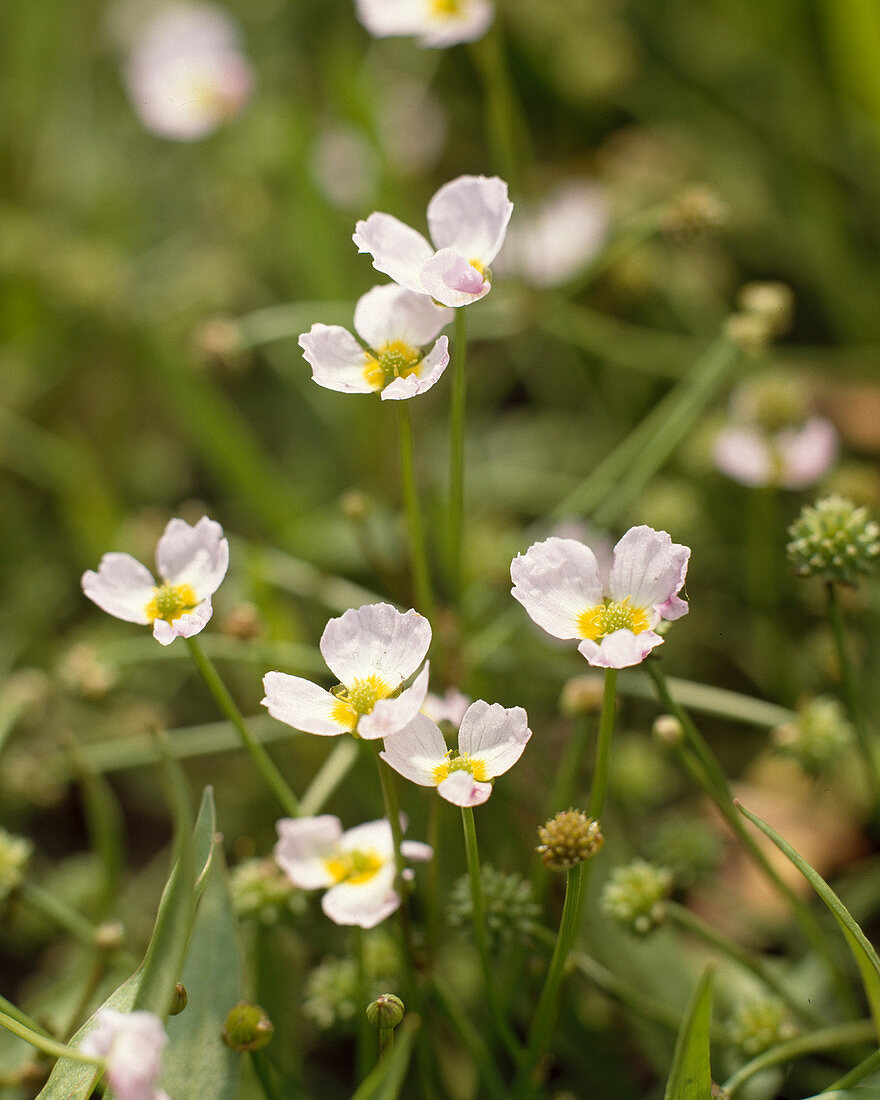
(45, 1044)
(265, 765)
(458, 402)
(418, 550)
(264, 1075)
(392, 813)
(603, 746)
(858, 1073)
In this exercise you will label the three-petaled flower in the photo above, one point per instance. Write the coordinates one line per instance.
(490, 741)
(559, 584)
(372, 650)
(396, 324)
(132, 1045)
(467, 219)
(192, 562)
(356, 867)
(431, 22)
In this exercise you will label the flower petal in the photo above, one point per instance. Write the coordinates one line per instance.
(390, 312)
(648, 567)
(371, 835)
(397, 249)
(414, 849)
(304, 844)
(385, 18)
(452, 279)
(365, 904)
(421, 380)
(415, 751)
(467, 26)
(375, 640)
(336, 358)
(743, 454)
(620, 649)
(494, 734)
(390, 716)
(301, 704)
(450, 707)
(122, 587)
(469, 215)
(198, 555)
(461, 789)
(807, 454)
(555, 581)
(188, 625)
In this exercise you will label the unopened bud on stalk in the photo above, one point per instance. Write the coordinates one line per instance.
(386, 1012)
(635, 895)
(582, 695)
(179, 999)
(569, 839)
(247, 1027)
(668, 730)
(834, 540)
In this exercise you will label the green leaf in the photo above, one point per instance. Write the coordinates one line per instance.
(197, 1063)
(867, 1092)
(691, 1076)
(386, 1080)
(863, 952)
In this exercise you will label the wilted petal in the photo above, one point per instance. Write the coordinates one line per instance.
(423, 378)
(461, 789)
(416, 751)
(648, 567)
(494, 734)
(390, 312)
(469, 216)
(452, 279)
(122, 587)
(397, 250)
(375, 640)
(301, 704)
(555, 581)
(303, 847)
(186, 626)
(389, 716)
(197, 556)
(620, 649)
(337, 360)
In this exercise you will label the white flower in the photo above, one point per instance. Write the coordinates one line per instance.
(467, 219)
(431, 22)
(559, 583)
(132, 1046)
(371, 650)
(186, 74)
(356, 867)
(449, 707)
(191, 561)
(793, 458)
(395, 324)
(490, 741)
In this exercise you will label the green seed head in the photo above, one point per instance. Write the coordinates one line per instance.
(510, 909)
(834, 540)
(247, 1027)
(819, 735)
(757, 1025)
(569, 839)
(635, 895)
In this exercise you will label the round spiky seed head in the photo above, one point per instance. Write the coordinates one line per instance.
(834, 540)
(386, 1011)
(569, 839)
(635, 895)
(179, 999)
(247, 1027)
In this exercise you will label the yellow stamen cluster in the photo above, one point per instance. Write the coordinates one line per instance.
(353, 867)
(394, 360)
(605, 618)
(170, 601)
(460, 762)
(486, 272)
(358, 699)
(446, 9)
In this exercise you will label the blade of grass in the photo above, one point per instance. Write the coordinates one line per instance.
(691, 1076)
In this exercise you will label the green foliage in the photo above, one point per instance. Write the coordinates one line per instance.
(691, 1077)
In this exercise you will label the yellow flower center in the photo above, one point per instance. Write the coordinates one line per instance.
(605, 618)
(394, 360)
(486, 272)
(447, 9)
(353, 867)
(170, 601)
(360, 698)
(460, 762)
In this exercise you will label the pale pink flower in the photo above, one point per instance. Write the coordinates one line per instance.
(490, 741)
(131, 1044)
(396, 324)
(449, 707)
(372, 651)
(793, 458)
(192, 562)
(430, 22)
(356, 867)
(559, 583)
(467, 219)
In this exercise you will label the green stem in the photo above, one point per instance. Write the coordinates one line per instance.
(42, 1042)
(858, 1073)
(851, 692)
(264, 1075)
(418, 550)
(432, 886)
(690, 921)
(386, 1043)
(458, 401)
(827, 1038)
(603, 745)
(265, 765)
(392, 813)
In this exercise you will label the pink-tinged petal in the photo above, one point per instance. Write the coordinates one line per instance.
(397, 250)
(122, 587)
(387, 18)
(375, 640)
(188, 625)
(198, 555)
(301, 704)
(132, 1044)
(303, 847)
(648, 567)
(806, 454)
(461, 789)
(390, 716)
(450, 707)
(494, 734)
(674, 608)
(744, 455)
(365, 904)
(336, 358)
(471, 24)
(555, 581)
(416, 751)
(620, 649)
(390, 312)
(375, 836)
(469, 216)
(452, 279)
(427, 373)
(414, 849)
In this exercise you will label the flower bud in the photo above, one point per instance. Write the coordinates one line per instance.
(179, 999)
(817, 737)
(569, 839)
(635, 893)
(109, 936)
(582, 695)
(386, 1011)
(834, 540)
(247, 1027)
(668, 730)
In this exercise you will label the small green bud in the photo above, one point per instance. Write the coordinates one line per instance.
(819, 735)
(668, 730)
(635, 895)
(569, 839)
(386, 1011)
(247, 1027)
(834, 540)
(179, 999)
(759, 1024)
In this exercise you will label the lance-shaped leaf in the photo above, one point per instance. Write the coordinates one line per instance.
(691, 1077)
